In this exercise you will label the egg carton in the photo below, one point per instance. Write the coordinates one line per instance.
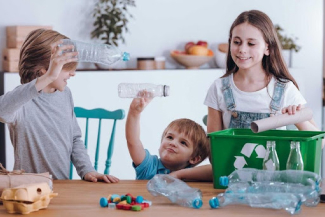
(25, 199)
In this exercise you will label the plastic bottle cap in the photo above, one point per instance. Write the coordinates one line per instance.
(166, 90)
(126, 56)
(214, 203)
(103, 202)
(197, 203)
(223, 181)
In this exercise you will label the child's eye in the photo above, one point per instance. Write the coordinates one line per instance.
(169, 137)
(250, 44)
(236, 42)
(183, 143)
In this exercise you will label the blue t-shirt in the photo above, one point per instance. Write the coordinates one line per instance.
(150, 166)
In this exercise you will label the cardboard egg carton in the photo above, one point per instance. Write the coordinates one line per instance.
(25, 199)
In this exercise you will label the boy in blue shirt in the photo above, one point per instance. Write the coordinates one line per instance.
(184, 144)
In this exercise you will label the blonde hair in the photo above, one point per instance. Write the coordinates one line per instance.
(195, 132)
(35, 54)
(273, 63)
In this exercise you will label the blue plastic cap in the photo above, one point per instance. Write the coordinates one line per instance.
(197, 203)
(223, 181)
(103, 202)
(214, 203)
(126, 56)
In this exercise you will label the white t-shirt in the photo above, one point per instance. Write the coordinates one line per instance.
(258, 101)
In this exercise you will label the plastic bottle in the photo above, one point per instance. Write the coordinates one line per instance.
(142, 90)
(271, 160)
(245, 175)
(175, 190)
(308, 195)
(290, 202)
(96, 52)
(295, 160)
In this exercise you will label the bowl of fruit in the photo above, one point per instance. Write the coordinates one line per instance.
(194, 56)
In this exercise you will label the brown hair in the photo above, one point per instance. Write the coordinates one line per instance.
(195, 132)
(35, 54)
(273, 63)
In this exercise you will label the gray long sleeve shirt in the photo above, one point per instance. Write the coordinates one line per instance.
(44, 131)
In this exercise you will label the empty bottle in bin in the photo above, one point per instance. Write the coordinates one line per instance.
(271, 160)
(295, 160)
(142, 90)
(290, 202)
(96, 52)
(175, 190)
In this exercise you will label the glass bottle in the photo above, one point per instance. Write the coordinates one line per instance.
(271, 160)
(295, 160)
(142, 90)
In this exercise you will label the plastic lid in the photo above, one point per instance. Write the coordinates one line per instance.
(126, 56)
(214, 203)
(160, 58)
(103, 202)
(166, 90)
(197, 203)
(223, 181)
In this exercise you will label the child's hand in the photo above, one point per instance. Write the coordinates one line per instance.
(138, 104)
(95, 176)
(58, 59)
(291, 109)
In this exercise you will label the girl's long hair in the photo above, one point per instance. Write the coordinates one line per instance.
(273, 64)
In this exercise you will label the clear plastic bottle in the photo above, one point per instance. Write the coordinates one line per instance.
(290, 202)
(142, 90)
(175, 190)
(309, 195)
(246, 175)
(96, 52)
(271, 160)
(295, 160)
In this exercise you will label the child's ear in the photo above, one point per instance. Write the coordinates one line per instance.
(267, 52)
(41, 72)
(195, 160)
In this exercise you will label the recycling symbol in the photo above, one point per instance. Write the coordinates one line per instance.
(247, 151)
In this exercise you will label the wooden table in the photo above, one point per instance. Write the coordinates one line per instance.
(81, 198)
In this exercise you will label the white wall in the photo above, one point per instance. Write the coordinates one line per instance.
(160, 26)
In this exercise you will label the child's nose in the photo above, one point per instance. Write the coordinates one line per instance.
(72, 73)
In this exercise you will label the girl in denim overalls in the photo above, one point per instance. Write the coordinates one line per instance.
(257, 83)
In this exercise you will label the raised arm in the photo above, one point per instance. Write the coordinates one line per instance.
(132, 129)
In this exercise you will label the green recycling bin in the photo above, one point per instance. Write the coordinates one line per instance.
(233, 149)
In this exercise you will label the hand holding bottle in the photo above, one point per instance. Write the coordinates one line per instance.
(139, 104)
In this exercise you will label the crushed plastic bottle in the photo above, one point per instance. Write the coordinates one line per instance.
(142, 90)
(308, 195)
(175, 190)
(96, 52)
(290, 202)
(245, 175)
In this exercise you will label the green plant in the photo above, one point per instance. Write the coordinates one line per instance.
(111, 18)
(287, 43)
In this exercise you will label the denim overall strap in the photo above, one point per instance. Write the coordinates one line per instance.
(227, 94)
(277, 98)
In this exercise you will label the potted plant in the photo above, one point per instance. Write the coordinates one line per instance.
(111, 19)
(288, 45)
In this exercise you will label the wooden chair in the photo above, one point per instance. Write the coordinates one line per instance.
(99, 114)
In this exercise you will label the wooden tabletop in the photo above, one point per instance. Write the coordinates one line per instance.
(81, 198)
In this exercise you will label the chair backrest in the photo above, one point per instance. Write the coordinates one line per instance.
(205, 120)
(100, 114)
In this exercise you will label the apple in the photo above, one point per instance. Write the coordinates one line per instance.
(202, 43)
(199, 50)
(188, 45)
